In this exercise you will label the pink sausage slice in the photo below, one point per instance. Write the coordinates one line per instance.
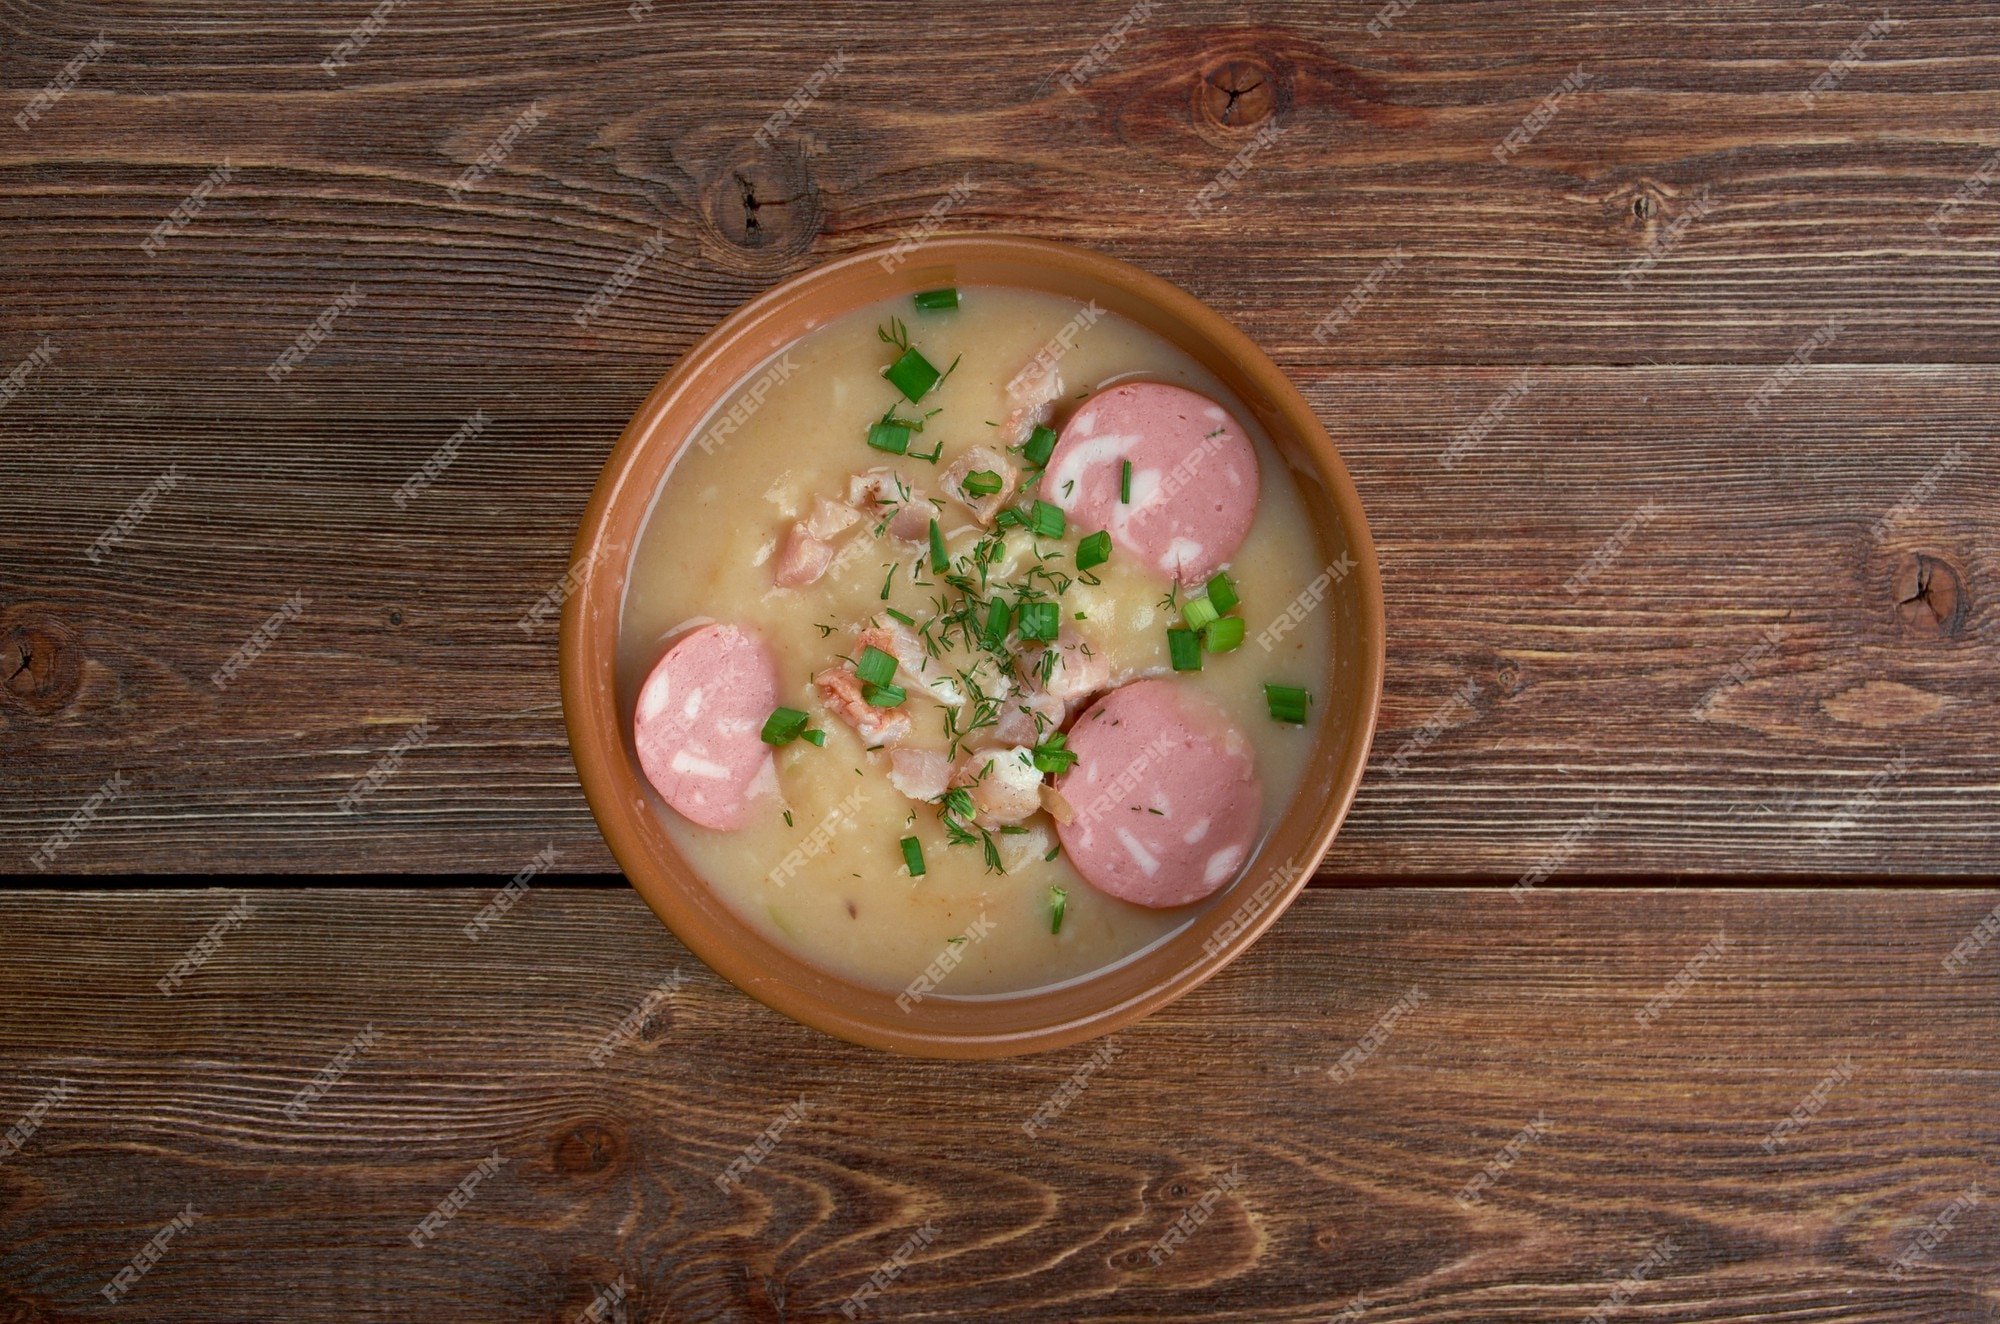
(700, 721)
(1194, 476)
(1165, 792)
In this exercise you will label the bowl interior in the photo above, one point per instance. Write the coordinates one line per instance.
(940, 1025)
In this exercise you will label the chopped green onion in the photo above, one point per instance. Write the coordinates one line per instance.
(897, 615)
(891, 437)
(999, 618)
(1094, 550)
(1038, 620)
(1046, 520)
(1051, 757)
(1125, 484)
(939, 561)
(1184, 648)
(913, 856)
(1058, 903)
(1199, 613)
(1221, 592)
(816, 738)
(1225, 635)
(875, 667)
(1041, 444)
(931, 301)
(1009, 516)
(913, 375)
(981, 482)
(883, 696)
(1287, 704)
(782, 727)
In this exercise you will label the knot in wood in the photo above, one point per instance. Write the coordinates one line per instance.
(763, 206)
(41, 661)
(1930, 596)
(1237, 93)
(588, 1148)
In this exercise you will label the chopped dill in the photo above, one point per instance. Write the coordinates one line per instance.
(894, 334)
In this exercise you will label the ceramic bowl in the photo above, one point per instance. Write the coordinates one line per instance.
(938, 1025)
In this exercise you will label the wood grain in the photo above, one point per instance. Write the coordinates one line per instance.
(1819, 212)
(1526, 1009)
(651, 128)
(1583, 702)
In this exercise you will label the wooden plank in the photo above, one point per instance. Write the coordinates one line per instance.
(650, 128)
(1582, 703)
(1524, 1011)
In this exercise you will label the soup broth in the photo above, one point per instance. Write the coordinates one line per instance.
(819, 866)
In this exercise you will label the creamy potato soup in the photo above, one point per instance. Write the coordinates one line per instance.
(941, 649)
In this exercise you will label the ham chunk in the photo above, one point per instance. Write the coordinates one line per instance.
(1033, 392)
(1005, 783)
(1078, 671)
(840, 690)
(883, 496)
(802, 559)
(920, 774)
(916, 671)
(827, 518)
(982, 459)
(1024, 719)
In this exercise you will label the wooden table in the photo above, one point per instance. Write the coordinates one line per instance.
(1766, 709)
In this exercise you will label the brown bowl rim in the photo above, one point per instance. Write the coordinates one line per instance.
(590, 617)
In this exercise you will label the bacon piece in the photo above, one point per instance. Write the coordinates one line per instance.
(916, 670)
(840, 690)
